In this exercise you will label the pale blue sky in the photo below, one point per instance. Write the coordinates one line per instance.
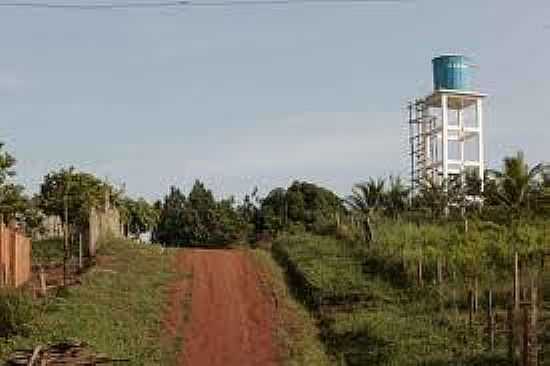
(261, 95)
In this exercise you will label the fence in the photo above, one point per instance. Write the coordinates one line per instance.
(15, 257)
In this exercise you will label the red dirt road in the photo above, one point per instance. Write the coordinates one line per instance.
(231, 320)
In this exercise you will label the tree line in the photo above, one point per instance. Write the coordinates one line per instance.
(198, 218)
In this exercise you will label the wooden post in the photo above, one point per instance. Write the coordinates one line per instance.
(2, 274)
(516, 282)
(43, 289)
(534, 345)
(471, 307)
(476, 295)
(419, 273)
(514, 336)
(490, 320)
(439, 271)
(80, 251)
(525, 340)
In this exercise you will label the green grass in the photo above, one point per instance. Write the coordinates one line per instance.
(118, 308)
(296, 333)
(47, 251)
(394, 323)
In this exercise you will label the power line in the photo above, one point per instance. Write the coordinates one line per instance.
(284, 2)
(182, 3)
(92, 6)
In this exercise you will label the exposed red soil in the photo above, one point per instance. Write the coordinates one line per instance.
(174, 317)
(231, 320)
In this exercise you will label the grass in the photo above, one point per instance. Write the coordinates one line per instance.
(47, 251)
(297, 333)
(392, 323)
(118, 308)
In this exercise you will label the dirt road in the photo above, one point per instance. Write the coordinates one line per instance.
(231, 320)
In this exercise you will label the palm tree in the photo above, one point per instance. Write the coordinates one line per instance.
(395, 199)
(517, 185)
(366, 198)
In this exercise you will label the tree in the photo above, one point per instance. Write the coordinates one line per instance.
(365, 200)
(198, 219)
(303, 204)
(78, 190)
(139, 215)
(170, 227)
(395, 198)
(7, 164)
(12, 199)
(516, 186)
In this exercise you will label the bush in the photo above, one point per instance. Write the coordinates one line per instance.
(16, 312)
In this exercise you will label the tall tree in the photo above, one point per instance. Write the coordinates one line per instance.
(517, 185)
(365, 200)
(395, 199)
(198, 219)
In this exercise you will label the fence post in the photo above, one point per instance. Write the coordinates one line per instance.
(516, 281)
(43, 289)
(419, 273)
(534, 346)
(80, 251)
(491, 319)
(439, 271)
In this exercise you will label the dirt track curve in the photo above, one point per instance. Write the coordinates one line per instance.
(231, 320)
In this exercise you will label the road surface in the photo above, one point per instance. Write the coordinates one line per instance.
(231, 317)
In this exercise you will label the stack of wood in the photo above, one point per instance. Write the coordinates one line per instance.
(66, 353)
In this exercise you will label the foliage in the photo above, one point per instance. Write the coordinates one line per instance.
(12, 199)
(16, 312)
(517, 186)
(198, 219)
(78, 190)
(396, 197)
(48, 251)
(302, 204)
(7, 163)
(139, 215)
(372, 197)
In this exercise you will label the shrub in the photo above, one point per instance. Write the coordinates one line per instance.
(16, 312)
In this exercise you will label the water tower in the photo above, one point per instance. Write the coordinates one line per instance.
(446, 127)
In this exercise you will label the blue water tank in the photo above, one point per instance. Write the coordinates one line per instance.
(452, 72)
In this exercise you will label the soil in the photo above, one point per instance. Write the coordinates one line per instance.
(231, 320)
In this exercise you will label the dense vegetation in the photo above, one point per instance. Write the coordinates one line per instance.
(198, 219)
(396, 280)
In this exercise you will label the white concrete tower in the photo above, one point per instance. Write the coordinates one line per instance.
(447, 126)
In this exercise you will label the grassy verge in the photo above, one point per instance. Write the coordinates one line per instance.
(118, 309)
(297, 333)
(367, 318)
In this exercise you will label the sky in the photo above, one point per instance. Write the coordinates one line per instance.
(249, 96)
